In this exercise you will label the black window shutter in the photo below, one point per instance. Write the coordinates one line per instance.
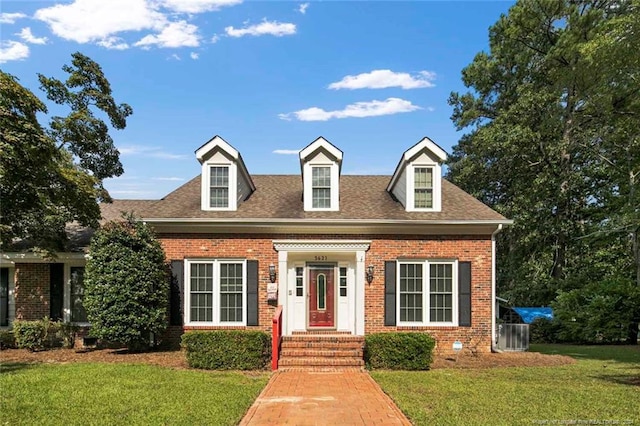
(4, 297)
(464, 294)
(390, 292)
(176, 292)
(252, 292)
(56, 291)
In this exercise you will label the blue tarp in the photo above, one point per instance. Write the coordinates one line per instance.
(530, 314)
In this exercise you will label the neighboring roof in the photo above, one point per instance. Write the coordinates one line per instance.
(528, 315)
(280, 197)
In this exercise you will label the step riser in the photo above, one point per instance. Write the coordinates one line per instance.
(317, 351)
(321, 345)
(321, 353)
(321, 362)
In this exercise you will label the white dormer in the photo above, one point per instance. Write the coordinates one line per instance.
(417, 181)
(225, 181)
(321, 163)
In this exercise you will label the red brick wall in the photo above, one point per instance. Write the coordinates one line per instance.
(32, 290)
(476, 250)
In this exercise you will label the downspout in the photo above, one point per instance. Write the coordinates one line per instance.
(493, 288)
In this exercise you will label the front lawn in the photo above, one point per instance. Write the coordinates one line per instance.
(95, 393)
(602, 386)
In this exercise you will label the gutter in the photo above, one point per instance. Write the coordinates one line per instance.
(493, 288)
(309, 221)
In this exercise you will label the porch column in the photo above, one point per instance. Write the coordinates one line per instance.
(283, 295)
(359, 292)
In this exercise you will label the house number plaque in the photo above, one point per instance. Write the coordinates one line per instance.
(320, 258)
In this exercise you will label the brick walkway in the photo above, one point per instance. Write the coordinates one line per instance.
(323, 398)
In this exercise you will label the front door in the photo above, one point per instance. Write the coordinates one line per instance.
(321, 296)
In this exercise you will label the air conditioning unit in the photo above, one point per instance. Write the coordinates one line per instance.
(513, 337)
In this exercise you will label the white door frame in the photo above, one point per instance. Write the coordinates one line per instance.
(292, 253)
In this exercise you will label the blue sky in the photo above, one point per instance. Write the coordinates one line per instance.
(269, 77)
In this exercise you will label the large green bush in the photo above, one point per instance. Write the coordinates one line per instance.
(227, 349)
(7, 339)
(126, 285)
(544, 330)
(399, 351)
(600, 312)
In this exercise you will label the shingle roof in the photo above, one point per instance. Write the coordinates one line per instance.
(280, 197)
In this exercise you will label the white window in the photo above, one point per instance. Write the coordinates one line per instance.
(215, 292)
(321, 187)
(219, 187)
(427, 293)
(423, 187)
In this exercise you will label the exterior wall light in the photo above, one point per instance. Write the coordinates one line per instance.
(272, 273)
(369, 273)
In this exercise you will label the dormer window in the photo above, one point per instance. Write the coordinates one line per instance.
(321, 187)
(320, 163)
(219, 187)
(423, 187)
(417, 181)
(225, 181)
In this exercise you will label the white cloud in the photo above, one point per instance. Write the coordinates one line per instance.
(149, 151)
(273, 28)
(198, 6)
(10, 18)
(176, 34)
(287, 151)
(380, 79)
(169, 179)
(113, 43)
(215, 38)
(303, 8)
(357, 110)
(194, 55)
(175, 57)
(28, 36)
(85, 21)
(13, 51)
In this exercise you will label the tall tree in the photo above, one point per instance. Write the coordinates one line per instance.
(552, 141)
(50, 176)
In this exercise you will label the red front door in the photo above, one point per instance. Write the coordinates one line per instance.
(321, 297)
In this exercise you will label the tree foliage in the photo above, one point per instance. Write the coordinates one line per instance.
(126, 284)
(50, 176)
(553, 142)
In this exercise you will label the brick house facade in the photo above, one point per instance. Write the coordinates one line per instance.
(352, 254)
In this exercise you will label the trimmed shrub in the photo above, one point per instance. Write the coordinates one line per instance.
(35, 335)
(227, 349)
(7, 339)
(126, 287)
(399, 351)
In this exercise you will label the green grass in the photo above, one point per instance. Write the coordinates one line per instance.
(56, 394)
(604, 386)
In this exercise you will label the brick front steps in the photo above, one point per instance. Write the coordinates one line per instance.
(317, 351)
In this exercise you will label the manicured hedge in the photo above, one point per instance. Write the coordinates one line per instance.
(35, 335)
(7, 339)
(227, 349)
(399, 351)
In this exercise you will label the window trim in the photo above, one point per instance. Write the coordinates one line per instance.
(426, 300)
(334, 190)
(205, 186)
(210, 186)
(436, 187)
(216, 262)
(330, 187)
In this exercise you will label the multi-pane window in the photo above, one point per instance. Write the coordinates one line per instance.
(343, 282)
(321, 187)
(78, 313)
(441, 292)
(231, 289)
(299, 281)
(219, 187)
(422, 303)
(216, 291)
(423, 187)
(411, 292)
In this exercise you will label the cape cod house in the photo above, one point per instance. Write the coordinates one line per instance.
(326, 253)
